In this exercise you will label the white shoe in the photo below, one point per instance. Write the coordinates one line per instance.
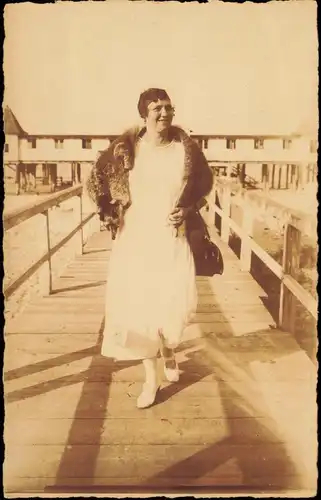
(171, 374)
(147, 396)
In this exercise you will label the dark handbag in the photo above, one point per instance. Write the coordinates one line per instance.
(207, 256)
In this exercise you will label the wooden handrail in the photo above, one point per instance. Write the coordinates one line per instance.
(287, 272)
(14, 217)
(17, 216)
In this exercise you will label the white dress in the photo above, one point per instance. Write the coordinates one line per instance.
(151, 276)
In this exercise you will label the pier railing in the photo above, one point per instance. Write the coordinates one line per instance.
(224, 194)
(251, 204)
(20, 215)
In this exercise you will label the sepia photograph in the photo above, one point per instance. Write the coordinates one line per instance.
(160, 249)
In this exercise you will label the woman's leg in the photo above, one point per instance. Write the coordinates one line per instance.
(150, 366)
(150, 386)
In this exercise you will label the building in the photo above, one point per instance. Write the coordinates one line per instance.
(32, 161)
(54, 161)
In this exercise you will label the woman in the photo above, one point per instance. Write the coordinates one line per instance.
(147, 184)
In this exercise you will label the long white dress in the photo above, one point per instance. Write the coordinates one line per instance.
(151, 276)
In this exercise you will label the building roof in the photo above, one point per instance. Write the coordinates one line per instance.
(11, 124)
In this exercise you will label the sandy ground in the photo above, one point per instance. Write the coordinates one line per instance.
(304, 200)
(24, 244)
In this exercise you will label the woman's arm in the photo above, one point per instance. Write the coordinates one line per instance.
(194, 194)
(203, 178)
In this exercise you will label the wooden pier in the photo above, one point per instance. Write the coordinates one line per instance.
(241, 420)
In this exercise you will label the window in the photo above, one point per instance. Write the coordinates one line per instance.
(6, 148)
(205, 143)
(32, 143)
(287, 143)
(258, 144)
(86, 144)
(59, 143)
(230, 143)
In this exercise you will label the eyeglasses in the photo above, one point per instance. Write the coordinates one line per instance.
(168, 108)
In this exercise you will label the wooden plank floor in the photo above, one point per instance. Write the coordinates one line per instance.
(242, 418)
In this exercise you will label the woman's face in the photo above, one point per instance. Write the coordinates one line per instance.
(159, 115)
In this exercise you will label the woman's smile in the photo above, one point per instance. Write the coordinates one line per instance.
(165, 121)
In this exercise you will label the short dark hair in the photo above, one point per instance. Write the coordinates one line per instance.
(148, 96)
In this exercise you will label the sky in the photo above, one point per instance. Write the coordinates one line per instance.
(229, 68)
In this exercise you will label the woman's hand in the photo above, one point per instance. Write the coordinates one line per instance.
(178, 215)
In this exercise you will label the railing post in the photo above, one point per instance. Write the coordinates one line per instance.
(214, 203)
(299, 176)
(49, 281)
(293, 177)
(78, 173)
(273, 176)
(50, 178)
(247, 226)
(243, 174)
(291, 265)
(279, 176)
(81, 228)
(265, 176)
(287, 176)
(73, 173)
(18, 178)
(226, 208)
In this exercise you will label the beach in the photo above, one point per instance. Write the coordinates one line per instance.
(26, 243)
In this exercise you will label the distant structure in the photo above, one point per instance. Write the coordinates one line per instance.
(45, 162)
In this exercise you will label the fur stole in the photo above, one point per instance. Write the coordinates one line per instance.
(108, 182)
